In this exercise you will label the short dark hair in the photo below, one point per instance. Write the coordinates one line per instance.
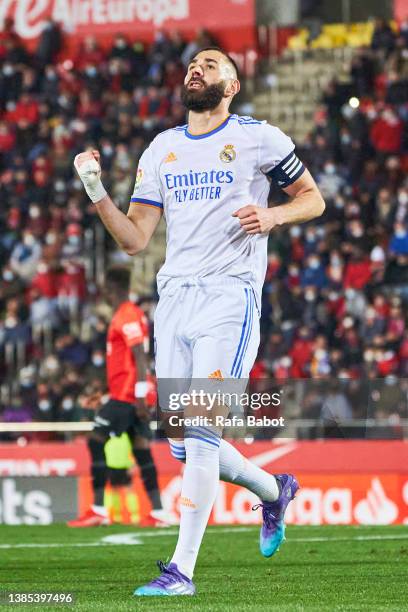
(119, 276)
(224, 53)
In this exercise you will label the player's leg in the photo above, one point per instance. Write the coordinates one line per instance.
(148, 472)
(198, 493)
(173, 370)
(121, 499)
(237, 469)
(96, 444)
(124, 506)
(97, 514)
(274, 492)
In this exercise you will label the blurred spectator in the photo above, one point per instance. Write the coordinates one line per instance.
(386, 132)
(49, 44)
(383, 38)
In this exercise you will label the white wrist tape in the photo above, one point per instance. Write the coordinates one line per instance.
(141, 389)
(90, 174)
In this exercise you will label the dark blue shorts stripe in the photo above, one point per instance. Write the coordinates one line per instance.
(241, 340)
(238, 368)
(247, 339)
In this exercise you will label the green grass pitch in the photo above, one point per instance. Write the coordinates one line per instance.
(318, 568)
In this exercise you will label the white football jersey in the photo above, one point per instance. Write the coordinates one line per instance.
(200, 181)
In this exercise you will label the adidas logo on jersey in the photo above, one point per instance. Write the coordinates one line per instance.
(170, 157)
(217, 375)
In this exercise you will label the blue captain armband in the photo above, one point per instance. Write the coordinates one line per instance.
(287, 171)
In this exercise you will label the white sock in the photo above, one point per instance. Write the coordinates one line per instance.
(198, 493)
(235, 468)
(99, 510)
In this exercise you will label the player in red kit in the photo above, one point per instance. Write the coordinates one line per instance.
(127, 410)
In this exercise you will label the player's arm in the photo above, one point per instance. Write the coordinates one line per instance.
(131, 232)
(306, 204)
(279, 162)
(141, 361)
(135, 333)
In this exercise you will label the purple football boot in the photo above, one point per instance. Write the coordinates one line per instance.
(273, 528)
(170, 582)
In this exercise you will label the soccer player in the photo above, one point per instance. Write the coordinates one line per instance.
(126, 410)
(210, 178)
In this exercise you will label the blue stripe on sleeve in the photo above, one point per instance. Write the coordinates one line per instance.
(136, 200)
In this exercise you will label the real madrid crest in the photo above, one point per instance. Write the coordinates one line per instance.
(228, 154)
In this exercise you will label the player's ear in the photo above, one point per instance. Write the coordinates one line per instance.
(232, 88)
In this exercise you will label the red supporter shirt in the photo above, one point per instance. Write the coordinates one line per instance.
(128, 328)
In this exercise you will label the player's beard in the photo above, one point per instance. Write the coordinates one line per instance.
(205, 99)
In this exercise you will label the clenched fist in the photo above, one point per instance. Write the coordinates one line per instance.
(89, 170)
(258, 220)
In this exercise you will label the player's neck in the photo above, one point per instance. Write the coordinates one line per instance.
(118, 300)
(200, 123)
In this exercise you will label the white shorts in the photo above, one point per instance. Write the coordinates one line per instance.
(206, 329)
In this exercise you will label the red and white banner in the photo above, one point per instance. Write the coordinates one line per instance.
(139, 19)
(342, 482)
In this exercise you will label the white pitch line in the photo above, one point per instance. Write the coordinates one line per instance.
(138, 536)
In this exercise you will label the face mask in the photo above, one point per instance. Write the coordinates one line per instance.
(339, 203)
(310, 238)
(10, 322)
(400, 233)
(34, 212)
(28, 240)
(314, 264)
(98, 361)
(107, 150)
(42, 268)
(309, 296)
(50, 239)
(67, 403)
(74, 240)
(59, 186)
(335, 261)
(357, 232)
(120, 44)
(330, 168)
(8, 275)
(295, 231)
(8, 70)
(91, 71)
(44, 405)
(52, 365)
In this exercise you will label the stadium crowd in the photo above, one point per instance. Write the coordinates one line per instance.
(334, 302)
